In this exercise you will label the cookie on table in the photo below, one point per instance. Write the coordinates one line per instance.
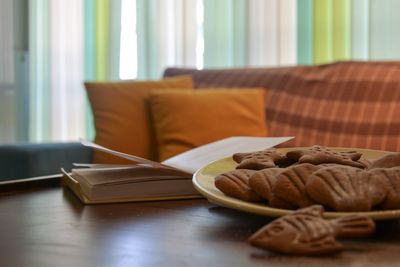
(290, 186)
(306, 232)
(346, 188)
(262, 181)
(236, 184)
(259, 160)
(319, 154)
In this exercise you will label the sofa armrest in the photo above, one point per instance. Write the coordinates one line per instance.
(30, 160)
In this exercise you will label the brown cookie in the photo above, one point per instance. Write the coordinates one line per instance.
(306, 232)
(388, 161)
(259, 160)
(390, 179)
(366, 162)
(318, 155)
(346, 188)
(279, 203)
(290, 186)
(262, 181)
(236, 184)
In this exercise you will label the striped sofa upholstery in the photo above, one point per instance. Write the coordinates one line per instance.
(347, 104)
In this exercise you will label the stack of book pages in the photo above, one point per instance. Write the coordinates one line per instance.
(147, 180)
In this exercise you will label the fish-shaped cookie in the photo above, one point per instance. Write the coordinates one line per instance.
(388, 178)
(262, 181)
(306, 232)
(390, 160)
(345, 188)
(236, 184)
(290, 186)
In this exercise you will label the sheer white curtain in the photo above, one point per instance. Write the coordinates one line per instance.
(168, 34)
(57, 65)
(178, 33)
(272, 33)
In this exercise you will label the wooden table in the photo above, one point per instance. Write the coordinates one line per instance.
(45, 225)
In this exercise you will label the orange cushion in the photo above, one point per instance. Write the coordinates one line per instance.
(186, 119)
(121, 116)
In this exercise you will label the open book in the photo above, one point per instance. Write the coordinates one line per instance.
(148, 180)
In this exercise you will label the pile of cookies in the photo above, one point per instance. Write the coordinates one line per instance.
(339, 181)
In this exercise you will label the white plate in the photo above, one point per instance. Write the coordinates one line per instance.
(203, 181)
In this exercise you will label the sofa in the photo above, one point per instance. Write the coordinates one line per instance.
(345, 104)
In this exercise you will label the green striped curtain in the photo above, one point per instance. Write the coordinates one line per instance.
(331, 30)
(327, 30)
(102, 37)
(102, 24)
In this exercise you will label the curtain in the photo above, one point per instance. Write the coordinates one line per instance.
(166, 35)
(331, 30)
(102, 27)
(56, 70)
(72, 41)
(7, 81)
(271, 33)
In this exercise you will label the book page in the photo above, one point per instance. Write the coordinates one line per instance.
(135, 159)
(104, 165)
(123, 175)
(196, 158)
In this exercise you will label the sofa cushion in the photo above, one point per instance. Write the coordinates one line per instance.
(186, 119)
(348, 104)
(122, 119)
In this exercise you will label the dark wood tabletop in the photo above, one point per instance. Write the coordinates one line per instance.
(43, 224)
